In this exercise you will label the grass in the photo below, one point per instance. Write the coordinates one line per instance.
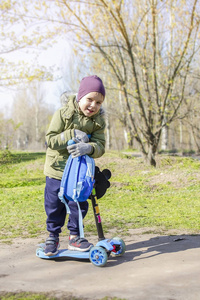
(140, 196)
(21, 195)
(40, 296)
(30, 296)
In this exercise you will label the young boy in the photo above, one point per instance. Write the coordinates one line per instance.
(81, 116)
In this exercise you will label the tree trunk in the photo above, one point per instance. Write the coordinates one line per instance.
(164, 140)
(125, 135)
(181, 134)
(150, 154)
(150, 158)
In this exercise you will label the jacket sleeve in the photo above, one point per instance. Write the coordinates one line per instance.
(98, 142)
(57, 137)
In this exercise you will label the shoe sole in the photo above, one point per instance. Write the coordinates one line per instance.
(79, 249)
(50, 253)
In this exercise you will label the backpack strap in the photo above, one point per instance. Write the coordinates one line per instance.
(90, 173)
(80, 221)
(76, 187)
(90, 167)
(76, 192)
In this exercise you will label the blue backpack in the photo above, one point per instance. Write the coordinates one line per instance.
(77, 183)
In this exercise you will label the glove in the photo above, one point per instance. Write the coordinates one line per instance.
(80, 136)
(79, 149)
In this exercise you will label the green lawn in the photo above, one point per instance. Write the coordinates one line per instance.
(40, 296)
(140, 196)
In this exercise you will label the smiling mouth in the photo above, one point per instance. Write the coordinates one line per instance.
(90, 111)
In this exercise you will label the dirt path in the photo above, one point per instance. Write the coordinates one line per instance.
(153, 267)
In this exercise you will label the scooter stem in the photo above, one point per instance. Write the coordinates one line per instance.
(97, 215)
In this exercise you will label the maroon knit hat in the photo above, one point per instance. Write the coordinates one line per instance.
(90, 84)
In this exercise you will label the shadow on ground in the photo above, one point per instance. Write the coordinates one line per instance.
(157, 246)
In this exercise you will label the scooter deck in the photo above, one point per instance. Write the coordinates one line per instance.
(62, 254)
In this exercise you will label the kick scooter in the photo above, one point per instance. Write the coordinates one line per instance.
(98, 255)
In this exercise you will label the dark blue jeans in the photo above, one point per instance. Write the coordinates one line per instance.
(56, 211)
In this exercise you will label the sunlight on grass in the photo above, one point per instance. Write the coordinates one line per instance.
(167, 197)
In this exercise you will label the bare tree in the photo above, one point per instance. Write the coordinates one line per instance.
(131, 39)
(33, 114)
(22, 37)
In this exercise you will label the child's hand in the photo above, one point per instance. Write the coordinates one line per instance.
(80, 136)
(79, 149)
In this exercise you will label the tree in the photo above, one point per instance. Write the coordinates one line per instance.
(32, 113)
(147, 46)
(20, 41)
(133, 39)
(8, 132)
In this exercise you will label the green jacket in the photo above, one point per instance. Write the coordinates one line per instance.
(61, 130)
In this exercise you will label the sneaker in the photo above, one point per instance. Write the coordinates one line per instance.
(52, 245)
(79, 244)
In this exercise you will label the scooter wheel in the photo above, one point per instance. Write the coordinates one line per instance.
(122, 248)
(98, 256)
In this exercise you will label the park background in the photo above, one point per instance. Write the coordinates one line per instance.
(146, 52)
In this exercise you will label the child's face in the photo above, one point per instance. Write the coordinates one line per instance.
(91, 103)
